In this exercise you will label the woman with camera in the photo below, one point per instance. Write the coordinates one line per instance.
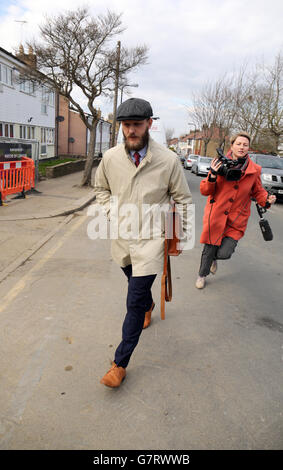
(231, 184)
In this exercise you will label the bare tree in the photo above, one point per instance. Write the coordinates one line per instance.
(76, 52)
(273, 99)
(249, 100)
(202, 114)
(215, 108)
(250, 108)
(260, 105)
(218, 96)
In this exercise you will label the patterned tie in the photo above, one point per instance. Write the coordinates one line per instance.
(137, 158)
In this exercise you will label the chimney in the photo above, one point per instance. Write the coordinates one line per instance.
(29, 59)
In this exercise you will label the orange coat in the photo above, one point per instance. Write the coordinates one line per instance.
(228, 216)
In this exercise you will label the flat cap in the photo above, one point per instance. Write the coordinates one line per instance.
(134, 109)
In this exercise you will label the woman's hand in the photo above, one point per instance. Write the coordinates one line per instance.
(271, 199)
(215, 165)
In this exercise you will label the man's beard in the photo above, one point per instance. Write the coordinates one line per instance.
(140, 144)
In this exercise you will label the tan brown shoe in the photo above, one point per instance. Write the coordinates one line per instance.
(147, 318)
(114, 376)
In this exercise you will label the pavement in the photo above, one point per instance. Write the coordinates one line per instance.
(27, 224)
(54, 197)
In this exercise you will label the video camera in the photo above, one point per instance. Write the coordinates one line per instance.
(226, 169)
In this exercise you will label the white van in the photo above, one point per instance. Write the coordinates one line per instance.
(157, 132)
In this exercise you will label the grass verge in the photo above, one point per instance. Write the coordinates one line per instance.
(43, 165)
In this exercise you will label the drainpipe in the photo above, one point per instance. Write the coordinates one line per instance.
(68, 130)
(57, 109)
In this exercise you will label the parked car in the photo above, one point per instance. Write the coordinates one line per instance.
(271, 173)
(201, 165)
(189, 161)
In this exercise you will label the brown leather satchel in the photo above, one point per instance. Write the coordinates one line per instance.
(171, 248)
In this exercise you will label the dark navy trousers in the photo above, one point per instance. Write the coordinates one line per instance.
(139, 301)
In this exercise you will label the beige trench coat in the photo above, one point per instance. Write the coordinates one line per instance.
(158, 178)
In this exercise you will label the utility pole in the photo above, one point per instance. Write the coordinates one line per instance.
(194, 142)
(116, 95)
(126, 85)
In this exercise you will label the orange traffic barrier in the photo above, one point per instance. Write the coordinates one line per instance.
(16, 177)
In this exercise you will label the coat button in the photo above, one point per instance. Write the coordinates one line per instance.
(231, 199)
(236, 186)
(226, 212)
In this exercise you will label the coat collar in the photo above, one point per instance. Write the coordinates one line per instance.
(150, 146)
(251, 168)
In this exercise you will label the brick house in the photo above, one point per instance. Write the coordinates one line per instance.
(72, 135)
(71, 132)
(196, 141)
(208, 140)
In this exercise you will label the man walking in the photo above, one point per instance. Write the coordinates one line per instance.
(138, 172)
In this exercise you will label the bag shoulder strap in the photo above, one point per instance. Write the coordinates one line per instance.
(166, 282)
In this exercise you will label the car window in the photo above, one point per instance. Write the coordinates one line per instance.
(205, 160)
(270, 162)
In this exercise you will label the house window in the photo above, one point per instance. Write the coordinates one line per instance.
(51, 98)
(22, 132)
(47, 135)
(26, 132)
(47, 98)
(47, 138)
(27, 86)
(50, 136)
(6, 130)
(6, 75)
(30, 132)
(43, 108)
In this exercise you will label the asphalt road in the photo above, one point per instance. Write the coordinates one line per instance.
(208, 377)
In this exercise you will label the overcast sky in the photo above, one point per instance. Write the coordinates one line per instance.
(189, 42)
